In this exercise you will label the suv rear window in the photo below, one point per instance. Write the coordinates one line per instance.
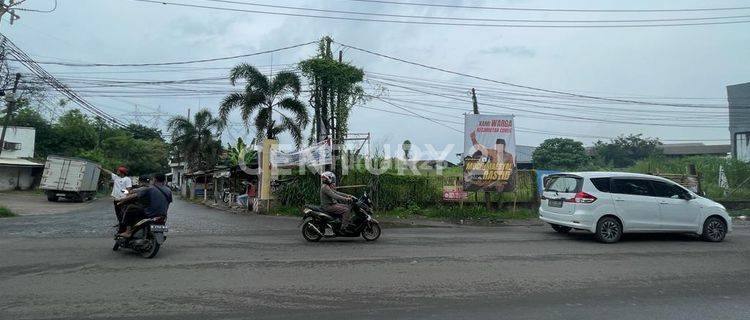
(601, 184)
(564, 184)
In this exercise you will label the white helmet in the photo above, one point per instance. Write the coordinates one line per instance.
(328, 177)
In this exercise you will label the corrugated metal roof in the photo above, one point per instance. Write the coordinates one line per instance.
(8, 162)
(695, 149)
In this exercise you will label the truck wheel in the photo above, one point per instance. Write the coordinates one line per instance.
(51, 197)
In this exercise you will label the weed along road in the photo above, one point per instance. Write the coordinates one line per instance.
(221, 265)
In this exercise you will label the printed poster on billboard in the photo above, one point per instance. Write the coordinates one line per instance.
(489, 153)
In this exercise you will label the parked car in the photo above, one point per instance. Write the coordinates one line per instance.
(609, 204)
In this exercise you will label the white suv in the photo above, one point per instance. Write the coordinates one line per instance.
(609, 204)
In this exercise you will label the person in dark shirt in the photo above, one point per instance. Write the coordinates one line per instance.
(153, 201)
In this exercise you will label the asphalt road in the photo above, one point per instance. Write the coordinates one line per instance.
(221, 265)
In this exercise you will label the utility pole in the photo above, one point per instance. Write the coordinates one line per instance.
(475, 106)
(100, 123)
(11, 103)
(474, 101)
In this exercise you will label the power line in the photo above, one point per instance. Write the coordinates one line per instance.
(557, 115)
(517, 85)
(29, 63)
(446, 123)
(411, 22)
(54, 7)
(472, 19)
(549, 9)
(71, 64)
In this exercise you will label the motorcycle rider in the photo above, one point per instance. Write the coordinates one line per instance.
(334, 202)
(153, 201)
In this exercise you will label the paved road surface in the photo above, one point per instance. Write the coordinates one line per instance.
(221, 265)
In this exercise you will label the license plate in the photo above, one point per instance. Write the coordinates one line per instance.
(158, 228)
(557, 203)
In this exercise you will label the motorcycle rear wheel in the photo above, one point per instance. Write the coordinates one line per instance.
(308, 232)
(152, 250)
(371, 232)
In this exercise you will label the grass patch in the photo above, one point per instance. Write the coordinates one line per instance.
(437, 212)
(739, 212)
(458, 213)
(290, 211)
(6, 213)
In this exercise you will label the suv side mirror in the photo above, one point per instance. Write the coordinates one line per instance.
(686, 196)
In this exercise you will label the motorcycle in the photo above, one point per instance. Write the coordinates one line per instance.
(317, 224)
(147, 237)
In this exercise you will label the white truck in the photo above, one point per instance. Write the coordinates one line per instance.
(70, 178)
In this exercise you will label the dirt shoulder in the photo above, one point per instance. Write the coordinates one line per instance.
(35, 203)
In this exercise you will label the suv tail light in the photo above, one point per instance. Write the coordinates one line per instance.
(582, 197)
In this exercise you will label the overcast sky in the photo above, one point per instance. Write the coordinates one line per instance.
(692, 62)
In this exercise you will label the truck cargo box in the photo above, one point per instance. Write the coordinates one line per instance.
(72, 178)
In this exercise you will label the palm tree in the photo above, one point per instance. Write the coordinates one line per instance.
(197, 141)
(269, 100)
(241, 153)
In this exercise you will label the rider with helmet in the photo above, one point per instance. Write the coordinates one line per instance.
(334, 202)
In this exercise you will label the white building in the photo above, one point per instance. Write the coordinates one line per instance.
(177, 174)
(738, 96)
(17, 172)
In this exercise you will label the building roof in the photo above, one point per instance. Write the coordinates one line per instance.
(13, 162)
(523, 154)
(444, 163)
(687, 149)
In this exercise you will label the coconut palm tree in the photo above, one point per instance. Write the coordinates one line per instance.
(274, 102)
(197, 141)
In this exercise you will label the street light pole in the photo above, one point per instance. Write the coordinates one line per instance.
(11, 99)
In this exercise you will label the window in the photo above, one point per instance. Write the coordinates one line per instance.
(564, 184)
(667, 190)
(742, 145)
(11, 145)
(636, 187)
(601, 184)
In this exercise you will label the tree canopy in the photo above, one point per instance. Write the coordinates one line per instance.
(273, 101)
(75, 134)
(560, 154)
(197, 140)
(334, 89)
(624, 151)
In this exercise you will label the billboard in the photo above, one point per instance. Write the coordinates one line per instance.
(315, 155)
(489, 153)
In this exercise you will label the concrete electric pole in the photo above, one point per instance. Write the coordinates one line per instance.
(11, 103)
(474, 101)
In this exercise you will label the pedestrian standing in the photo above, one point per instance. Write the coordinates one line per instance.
(120, 182)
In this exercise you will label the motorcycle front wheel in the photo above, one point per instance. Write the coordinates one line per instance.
(371, 231)
(309, 233)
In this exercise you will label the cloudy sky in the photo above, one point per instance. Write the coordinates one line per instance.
(689, 66)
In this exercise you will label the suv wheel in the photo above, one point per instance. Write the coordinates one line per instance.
(608, 230)
(714, 229)
(561, 229)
